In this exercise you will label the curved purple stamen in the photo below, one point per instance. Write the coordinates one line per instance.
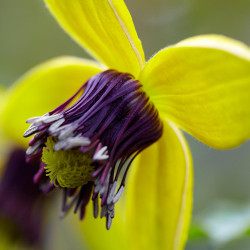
(117, 119)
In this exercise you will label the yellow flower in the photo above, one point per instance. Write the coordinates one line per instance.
(201, 85)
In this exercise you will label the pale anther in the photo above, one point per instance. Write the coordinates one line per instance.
(55, 125)
(95, 207)
(32, 128)
(52, 118)
(108, 221)
(103, 211)
(118, 194)
(60, 145)
(77, 141)
(102, 154)
(67, 131)
(112, 193)
(33, 148)
(33, 119)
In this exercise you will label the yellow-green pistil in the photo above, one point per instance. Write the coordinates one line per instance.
(69, 169)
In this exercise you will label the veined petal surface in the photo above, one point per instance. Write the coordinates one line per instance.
(104, 28)
(41, 90)
(159, 197)
(203, 85)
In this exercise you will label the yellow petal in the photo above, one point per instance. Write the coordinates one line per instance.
(104, 28)
(97, 237)
(203, 85)
(160, 194)
(42, 89)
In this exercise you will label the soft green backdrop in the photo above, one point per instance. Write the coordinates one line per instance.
(29, 35)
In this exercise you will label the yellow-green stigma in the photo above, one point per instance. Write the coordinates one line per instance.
(70, 168)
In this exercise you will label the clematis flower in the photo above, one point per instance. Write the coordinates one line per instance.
(96, 117)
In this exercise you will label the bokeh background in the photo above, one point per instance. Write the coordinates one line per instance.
(29, 35)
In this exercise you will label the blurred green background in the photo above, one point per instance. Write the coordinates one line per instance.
(29, 35)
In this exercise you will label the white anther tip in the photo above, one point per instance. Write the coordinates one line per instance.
(108, 221)
(52, 118)
(29, 151)
(62, 215)
(77, 141)
(32, 128)
(95, 207)
(103, 211)
(112, 193)
(118, 194)
(56, 124)
(102, 154)
(33, 148)
(97, 188)
(33, 119)
(67, 131)
(59, 145)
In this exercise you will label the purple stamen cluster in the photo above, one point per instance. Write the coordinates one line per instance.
(113, 121)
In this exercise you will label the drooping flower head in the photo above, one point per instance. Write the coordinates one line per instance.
(94, 141)
(200, 85)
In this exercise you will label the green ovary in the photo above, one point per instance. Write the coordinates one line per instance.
(70, 168)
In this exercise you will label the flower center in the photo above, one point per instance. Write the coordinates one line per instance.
(96, 138)
(70, 168)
